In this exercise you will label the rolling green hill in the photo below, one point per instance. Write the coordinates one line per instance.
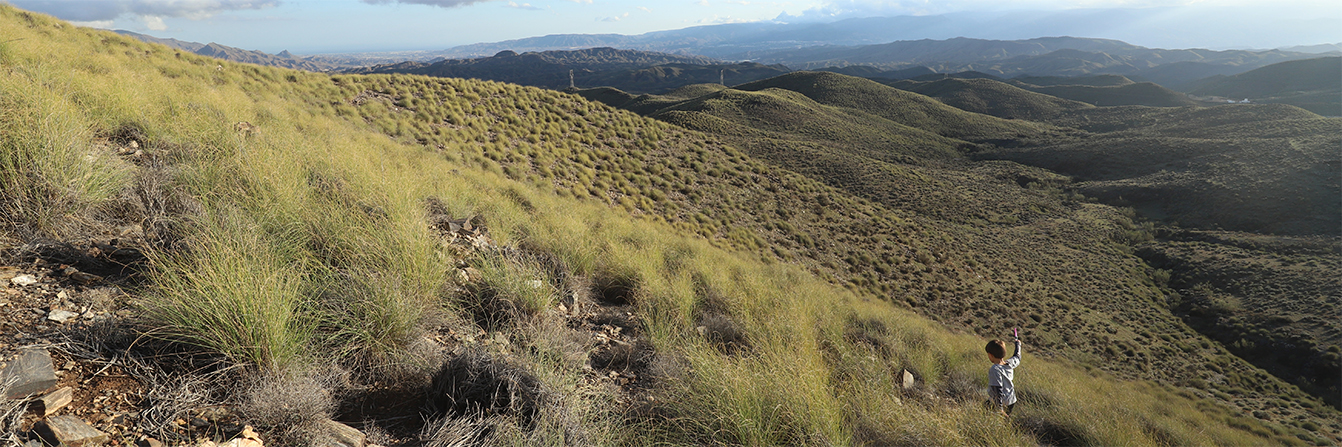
(896, 105)
(665, 77)
(543, 269)
(1104, 80)
(1134, 94)
(1311, 84)
(994, 98)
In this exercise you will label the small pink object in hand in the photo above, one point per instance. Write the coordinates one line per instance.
(1015, 332)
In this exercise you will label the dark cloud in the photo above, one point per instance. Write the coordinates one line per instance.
(438, 3)
(91, 10)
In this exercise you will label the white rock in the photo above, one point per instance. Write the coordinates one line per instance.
(61, 316)
(24, 280)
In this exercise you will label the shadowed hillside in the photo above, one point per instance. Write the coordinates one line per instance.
(1262, 168)
(1264, 297)
(1093, 81)
(1314, 85)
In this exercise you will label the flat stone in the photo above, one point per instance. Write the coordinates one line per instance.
(908, 379)
(345, 436)
(74, 432)
(30, 373)
(8, 273)
(56, 400)
(61, 316)
(23, 280)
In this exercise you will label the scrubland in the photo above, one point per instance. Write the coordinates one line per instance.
(762, 306)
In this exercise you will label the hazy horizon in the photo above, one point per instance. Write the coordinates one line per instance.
(346, 26)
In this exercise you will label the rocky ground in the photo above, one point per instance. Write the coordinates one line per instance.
(77, 369)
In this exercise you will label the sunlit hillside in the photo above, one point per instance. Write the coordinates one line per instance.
(439, 261)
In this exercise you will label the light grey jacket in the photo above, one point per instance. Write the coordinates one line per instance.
(1000, 378)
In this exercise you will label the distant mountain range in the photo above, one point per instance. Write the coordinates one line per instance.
(631, 70)
(684, 57)
(321, 62)
(1172, 26)
(284, 59)
(1049, 56)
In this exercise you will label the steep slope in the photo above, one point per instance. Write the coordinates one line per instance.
(598, 226)
(1311, 84)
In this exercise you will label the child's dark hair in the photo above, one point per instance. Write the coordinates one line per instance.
(996, 348)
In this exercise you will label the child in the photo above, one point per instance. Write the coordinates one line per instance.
(1000, 387)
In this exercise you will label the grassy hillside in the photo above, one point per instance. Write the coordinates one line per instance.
(994, 98)
(843, 165)
(634, 282)
(864, 154)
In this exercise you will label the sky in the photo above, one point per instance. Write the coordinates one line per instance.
(329, 26)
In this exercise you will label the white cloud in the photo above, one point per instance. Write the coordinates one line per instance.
(438, 3)
(843, 9)
(100, 24)
(154, 23)
(644, 9)
(612, 18)
(102, 10)
(526, 6)
(582, 1)
(716, 19)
